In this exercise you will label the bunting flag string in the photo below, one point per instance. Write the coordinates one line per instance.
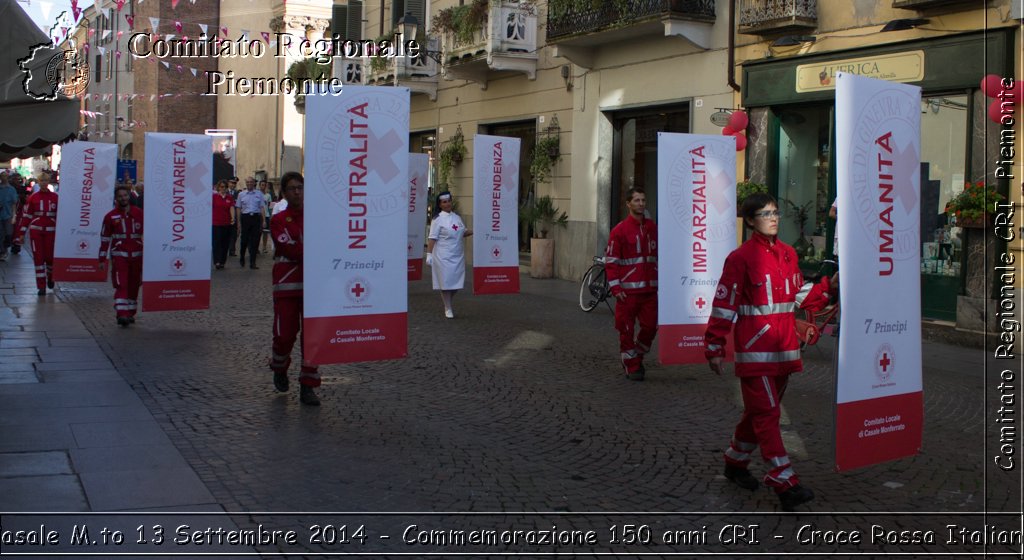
(131, 21)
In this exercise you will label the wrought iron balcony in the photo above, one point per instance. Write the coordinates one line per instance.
(349, 70)
(507, 41)
(568, 22)
(418, 73)
(770, 17)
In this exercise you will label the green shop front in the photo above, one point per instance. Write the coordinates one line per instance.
(791, 103)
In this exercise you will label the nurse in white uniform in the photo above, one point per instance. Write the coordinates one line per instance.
(446, 255)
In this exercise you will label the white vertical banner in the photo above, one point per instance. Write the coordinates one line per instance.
(419, 170)
(697, 212)
(356, 220)
(88, 173)
(879, 412)
(178, 221)
(495, 215)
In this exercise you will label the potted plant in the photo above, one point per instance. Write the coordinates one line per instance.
(302, 71)
(968, 208)
(801, 215)
(545, 154)
(543, 216)
(463, 23)
(450, 156)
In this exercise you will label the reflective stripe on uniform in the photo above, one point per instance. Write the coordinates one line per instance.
(770, 309)
(284, 260)
(803, 293)
(779, 461)
(723, 313)
(638, 285)
(288, 286)
(767, 357)
(783, 476)
(759, 334)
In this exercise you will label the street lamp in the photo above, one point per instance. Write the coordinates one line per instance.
(409, 26)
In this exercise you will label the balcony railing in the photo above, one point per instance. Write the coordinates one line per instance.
(757, 17)
(350, 70)
(409, 67)
(927, 4)
(511, 28)
(569, 22)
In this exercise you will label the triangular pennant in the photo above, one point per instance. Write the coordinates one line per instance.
(272, 44)
(224, 30)
(119, 33)
(91, 32)
(174, 4)
(77, 12)
(152, 96)
(184, 37)
(85, 48)
(165, 63)
(106, 33)
(204, 27)
(266, 36)
(47, 9)
(64, 31)
(155, 22)
(120, 4)
(177, 26)
(131, 20)
(245, 35)
(168, 37)
(117, 55)
(194, 72)
(103, 50)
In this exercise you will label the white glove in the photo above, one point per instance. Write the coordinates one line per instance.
(430, 259)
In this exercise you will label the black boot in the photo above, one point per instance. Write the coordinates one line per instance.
(741, 477)
(795, 496)
(42, 291)
(307, 395)
(122, 321)
(281, 381)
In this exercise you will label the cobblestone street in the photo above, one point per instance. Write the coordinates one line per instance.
(518, 405)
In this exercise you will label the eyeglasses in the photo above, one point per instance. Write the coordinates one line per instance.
(768, 214)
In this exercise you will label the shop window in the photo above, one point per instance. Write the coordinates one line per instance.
(806, 189)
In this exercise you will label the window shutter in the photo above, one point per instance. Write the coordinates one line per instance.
(339, 17)
(418, 9)
(354, 26)
(397, 11)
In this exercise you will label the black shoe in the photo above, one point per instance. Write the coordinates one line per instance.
(16, 249)
(131, 320)
(307, 396)
(281, 381)
(741, 477)
(637, 375)
(795, 496)
(122, 321)
(254, 267)
(42, 291)
(50, 283)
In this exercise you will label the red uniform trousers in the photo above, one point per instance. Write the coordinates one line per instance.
(636, 308)
(759, 426)
(126, 276)
(42, 254)
(287, 323)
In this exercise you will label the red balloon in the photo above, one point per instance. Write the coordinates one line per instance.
(995, 111)
(738, 120)
(727, 131)
(991, 85)
(741, 141)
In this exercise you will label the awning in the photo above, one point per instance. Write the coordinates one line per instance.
(28, 127)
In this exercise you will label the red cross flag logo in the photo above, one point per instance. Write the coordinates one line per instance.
(83, 246)
(700, 304)
(885, 363)
(496, 251)
(357, 290)
(178, 266)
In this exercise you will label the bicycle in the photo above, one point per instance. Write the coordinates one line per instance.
(824, 321)
(594, 288)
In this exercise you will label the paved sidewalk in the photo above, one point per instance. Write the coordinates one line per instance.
(515, 406)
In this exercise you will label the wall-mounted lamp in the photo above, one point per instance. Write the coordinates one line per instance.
(903, 24)
(409, 26)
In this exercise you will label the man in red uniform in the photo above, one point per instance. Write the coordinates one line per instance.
(760, 289)
(122, 234)
(631, 264)
(286, 229)
(40, 218)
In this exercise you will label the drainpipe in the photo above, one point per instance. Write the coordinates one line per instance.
(731, 64)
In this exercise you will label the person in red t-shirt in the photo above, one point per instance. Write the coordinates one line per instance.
(223, 222)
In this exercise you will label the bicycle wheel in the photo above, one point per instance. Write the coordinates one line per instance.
(593, 287)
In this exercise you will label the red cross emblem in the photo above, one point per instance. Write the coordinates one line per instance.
(177, 264)
(358, 290)
(496, 252)
(83, 245)
(699, 302)
(884, 362)
(455, 227)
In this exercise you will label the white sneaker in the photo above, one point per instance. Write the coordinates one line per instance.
(449, 314)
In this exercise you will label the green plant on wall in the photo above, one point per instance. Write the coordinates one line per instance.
(545, 154)
(451, 155)
(380, 64)
(309, 69)
(462, 22)
(745, 189)
(543, 216)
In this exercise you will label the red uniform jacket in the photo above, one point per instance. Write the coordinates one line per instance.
(631, 260)
(121, 233)
(39, 213)
(761, 288)
(286, 229)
